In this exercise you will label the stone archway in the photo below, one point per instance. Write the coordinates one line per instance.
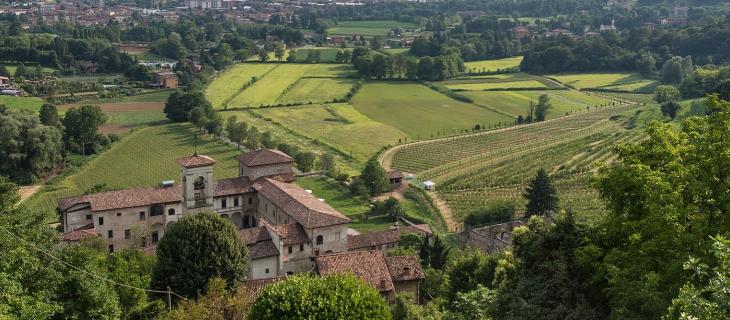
(157, 230)
(237, 220)
(248, 220)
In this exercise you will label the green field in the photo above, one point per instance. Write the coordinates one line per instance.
(368, 28)
(497, 85)
(339, 125)
(273, 84)
(471, 171)
(517, 102)
(623, 81)
(394, 51)
(146, 96)
(12, 67)
(134, 118)
(316, 54)
(143, 158)
(229, 83)
(419, 111)
(317, 90)
(492, 65)
(21, 103)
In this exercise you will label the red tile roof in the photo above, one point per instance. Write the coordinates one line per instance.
(232, 186)
(292, 233)
(299, 204)
(264, 156)
(395, 174)
(126, 198)
(195, 161)
(404, 268)
(262, 249)
(251, 288)
(79, 234)
(251, 236)
(367, 265)
(379, 238)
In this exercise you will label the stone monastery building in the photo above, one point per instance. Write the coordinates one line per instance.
(283, 226)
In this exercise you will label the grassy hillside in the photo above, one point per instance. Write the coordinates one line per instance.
(316, 90)
(492, 65)
(518, 102)
(229, 83)
(419, 111)
(367, 28)
(22, 103)
(621, 81)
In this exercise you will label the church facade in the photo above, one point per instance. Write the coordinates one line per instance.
(283, 225)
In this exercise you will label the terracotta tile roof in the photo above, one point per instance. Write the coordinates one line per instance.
(253, 235)
(367, 265)
(264, 156)
(232, 186)
(78, 234)
(404, 268)
(196, 161)
(292, 233)
(262, 249)
(378, 238)
(299, 204)
(251, 288)
(126, 198)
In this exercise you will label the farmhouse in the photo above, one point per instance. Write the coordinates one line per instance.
(165, 80)
(384, 240)
(283, 226)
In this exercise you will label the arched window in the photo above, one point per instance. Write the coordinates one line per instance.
(320, 239)
(171, 212)
(199, 183)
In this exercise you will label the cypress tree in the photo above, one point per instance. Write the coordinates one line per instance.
(542, 198)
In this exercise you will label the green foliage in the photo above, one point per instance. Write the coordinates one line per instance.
(196, 249)
(216, 304)
(472, 305)
(670, 109)
(29, 148)
(309, 297)
(543, 106)
(542, 198)
(434, 253)
(665, 200)
(390, 207)
(305, 160)
(710, 298)
(666, 94)
(374, 177)
(180, 104)
(49, 115)
(468, 271)
(497, 211)
(82, 125)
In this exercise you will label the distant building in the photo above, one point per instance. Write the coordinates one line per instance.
(384, 240)
(166, 80)
(607, 27)
(395, 177)
(521, 32)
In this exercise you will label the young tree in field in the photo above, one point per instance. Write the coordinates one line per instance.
(4, 71)
(263, 55)
(671, 109)
(230, 124)
(542, 198)
(305, 161)
(664, 94)
(374, 177)
(253, 138)
(543, 106)
(82, 125)
(214, 124)
(279, 51)
(327, 163)
(198, 117)
(331, 297)
(238, 132)
(267, 140)
(196, 249)
(376, 43)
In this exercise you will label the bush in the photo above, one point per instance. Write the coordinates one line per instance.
(497, 212)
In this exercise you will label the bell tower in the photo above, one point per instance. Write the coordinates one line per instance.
(197, 183)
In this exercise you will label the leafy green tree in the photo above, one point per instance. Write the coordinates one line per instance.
(646, 64)
(543, 106)
(28, 147)
(49, 115)
(263, 55)
(267, 140)
(497, 211)
(196, 249)
(310, 297)
(708, 296)
(723, 90)
(4, 71)
(328, 164)
(542, 198)
(279, 51)
(673, 70)
(664, 94)
(472, 305)
(238, 132)
(434, 254)
(253, 138)
(665, 201)
(305, 160)
(180, 103)
(82, 125)
(374, 177)
(469, 270)
(216, 304)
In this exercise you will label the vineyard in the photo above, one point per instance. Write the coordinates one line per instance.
(470, 171)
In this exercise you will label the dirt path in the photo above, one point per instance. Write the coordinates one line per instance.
(27, 191)
(451, 224)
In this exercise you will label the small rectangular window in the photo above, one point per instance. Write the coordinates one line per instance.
(110, 234)
(223, 203)
(111, 248)
(155, 237)
(301, 247)
(235, 202)
(88, 217)
(119, 214)
(101, 221)
(250, 200)
(141, 216)
(290, 249)
(127, 234)
(267, 270)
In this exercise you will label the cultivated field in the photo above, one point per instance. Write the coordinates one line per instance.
(339, 125)
(316, 54)
(143, 158)
(21, 103)
(316, 90)
(492, 65)
(367, 28)
(470, 171)
(276, 82)
(517, 102)
(504, 85)
(228, 84)
(125, 116)
(619, 81)
(420, 112)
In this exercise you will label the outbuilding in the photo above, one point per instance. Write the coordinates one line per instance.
(429, 185)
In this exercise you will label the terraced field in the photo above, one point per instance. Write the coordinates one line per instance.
(316, 90)
(228, 84)
(518, 102)
(420, 112)
(497, 85)
(316, 54)
(619, 81)
(473, 170)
